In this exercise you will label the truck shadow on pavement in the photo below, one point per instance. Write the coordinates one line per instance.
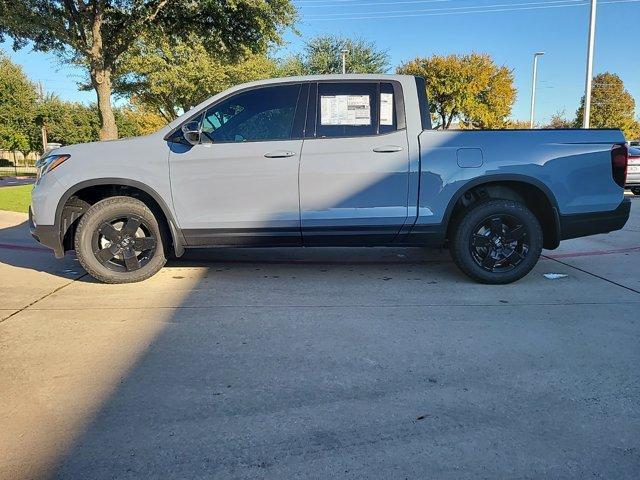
(18, 249)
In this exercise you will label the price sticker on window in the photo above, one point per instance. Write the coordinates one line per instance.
(352, 110)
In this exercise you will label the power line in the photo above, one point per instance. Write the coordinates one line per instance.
(433, 12)
(369, 4)
(481, 7)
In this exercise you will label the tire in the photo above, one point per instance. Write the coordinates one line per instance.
(119, 240)
(636, 191)
(496, 242)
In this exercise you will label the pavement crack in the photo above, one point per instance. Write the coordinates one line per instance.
(43, 297)
(593, 274)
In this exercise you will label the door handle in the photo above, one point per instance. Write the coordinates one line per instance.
(388, 149)
(280, 154)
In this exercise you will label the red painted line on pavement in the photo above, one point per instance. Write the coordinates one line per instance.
(27, 248)
(593, 253)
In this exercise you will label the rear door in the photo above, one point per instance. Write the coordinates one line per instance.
(354, 167)
(239, 185)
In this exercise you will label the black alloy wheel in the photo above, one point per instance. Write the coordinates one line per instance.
(124, 244)
(499, 243)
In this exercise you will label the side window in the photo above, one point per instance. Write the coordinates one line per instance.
(256, 115)
(388, 115)
(347, 109)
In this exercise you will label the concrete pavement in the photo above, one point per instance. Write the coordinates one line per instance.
(347, 363)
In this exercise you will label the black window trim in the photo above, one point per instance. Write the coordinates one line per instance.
(401, 120)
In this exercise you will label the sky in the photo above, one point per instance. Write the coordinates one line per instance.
(509, 30)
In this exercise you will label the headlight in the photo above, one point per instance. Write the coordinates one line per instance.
(47, 164)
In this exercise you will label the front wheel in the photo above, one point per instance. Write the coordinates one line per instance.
(497, 241)
(119, 240)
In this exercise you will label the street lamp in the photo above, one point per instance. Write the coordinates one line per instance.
(587, 84)
(533, 87)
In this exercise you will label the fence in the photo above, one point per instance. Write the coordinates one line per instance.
(16, 164)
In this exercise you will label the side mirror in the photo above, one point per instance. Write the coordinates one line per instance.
(191, 132)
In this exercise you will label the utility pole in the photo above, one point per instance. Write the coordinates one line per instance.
(533, 88)
(344, 60)
(589, 78)
(43, 129)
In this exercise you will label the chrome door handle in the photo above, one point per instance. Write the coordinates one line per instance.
(388, 149)
(280, 154)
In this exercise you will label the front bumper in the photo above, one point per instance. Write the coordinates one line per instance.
(47, 235)
(584, 224)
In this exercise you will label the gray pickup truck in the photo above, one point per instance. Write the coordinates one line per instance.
(348, 160)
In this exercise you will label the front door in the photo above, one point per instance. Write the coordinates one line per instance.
(239, 185)
(354, 169)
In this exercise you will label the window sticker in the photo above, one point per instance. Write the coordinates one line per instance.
(345, 110)
(386, 109)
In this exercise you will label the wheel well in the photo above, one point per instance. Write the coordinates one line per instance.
(533, 197)
(78, 203)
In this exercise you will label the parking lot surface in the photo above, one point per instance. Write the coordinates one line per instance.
(319, 363)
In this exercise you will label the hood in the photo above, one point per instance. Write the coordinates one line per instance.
(105, 147)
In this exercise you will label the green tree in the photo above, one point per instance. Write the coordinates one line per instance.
(67, 122)
(97, 33)
(17, 106)
(171, 77)
(470, 88)
(323, 55)
(13, 140)
(70, 122)
(612, 106)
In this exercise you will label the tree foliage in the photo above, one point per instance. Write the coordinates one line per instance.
(70, 122)
(559, 120)
(169, 78)
(323, 55)
(470, 88)
(517, 125)
(97, 33)
(612, 106)
(17, 106)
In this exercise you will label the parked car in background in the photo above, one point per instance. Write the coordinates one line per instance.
(346, 160)
(633, 170)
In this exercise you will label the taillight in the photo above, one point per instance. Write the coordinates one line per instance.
(619, 159)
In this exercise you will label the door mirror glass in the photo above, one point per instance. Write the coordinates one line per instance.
(191, 132)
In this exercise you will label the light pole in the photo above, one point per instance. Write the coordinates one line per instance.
(344, 60)
(533, 87)
(588, 80)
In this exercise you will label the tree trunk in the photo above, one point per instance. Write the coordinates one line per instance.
(101, 80)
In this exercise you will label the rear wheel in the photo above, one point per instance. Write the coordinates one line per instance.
(496, 242)
(636, 190)
(119, 240)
